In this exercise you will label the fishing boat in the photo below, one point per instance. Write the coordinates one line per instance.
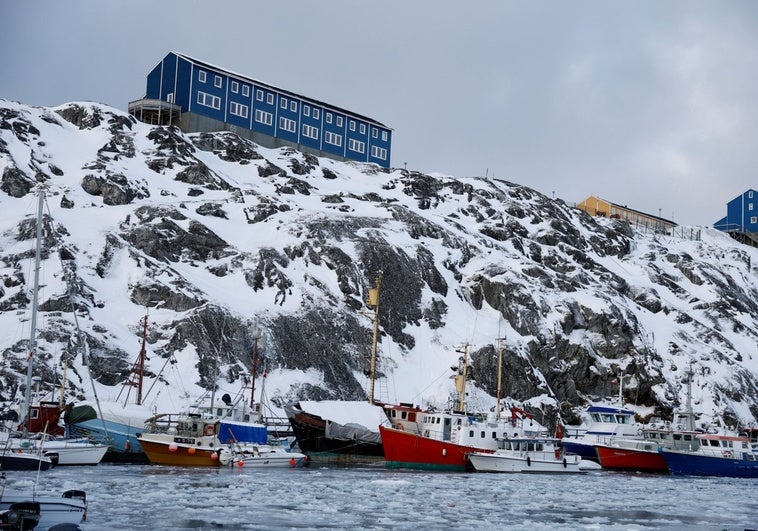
(643, 453)
(445, 439)
(716, 455)
(346, 432)
(541, 454)
(186, 440)
(606, 422)
(44, 511)
(12, 459)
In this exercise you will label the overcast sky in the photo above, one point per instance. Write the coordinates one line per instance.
(652, 104)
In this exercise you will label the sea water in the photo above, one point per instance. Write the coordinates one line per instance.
(315, 497)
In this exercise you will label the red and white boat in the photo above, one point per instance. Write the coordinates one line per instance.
(442, 441)
(189, 441)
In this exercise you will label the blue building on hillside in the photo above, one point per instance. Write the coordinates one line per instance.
(741, 214)
(200, 97)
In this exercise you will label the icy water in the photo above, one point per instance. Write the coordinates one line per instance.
(151, 497)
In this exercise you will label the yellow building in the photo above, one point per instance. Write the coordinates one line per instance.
(596, 206)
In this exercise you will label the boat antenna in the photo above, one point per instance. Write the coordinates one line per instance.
(254, 371)
(460, 379)
(373, 302)
(35, 302)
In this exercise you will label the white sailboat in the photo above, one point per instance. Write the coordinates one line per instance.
(71, 505)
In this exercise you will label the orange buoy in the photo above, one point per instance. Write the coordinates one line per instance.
(240, 463)
(214, 456)
(172, 447)
(191, 450)
(293, 462)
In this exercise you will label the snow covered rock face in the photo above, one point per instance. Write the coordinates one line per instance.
(223, 241)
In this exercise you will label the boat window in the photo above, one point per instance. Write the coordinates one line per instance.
(539, 447)
(412, 416)
(677, 436)
(403, 415)
(459, 422)
(482, 435)
(652, 435)
(438, 420)
(447, 422)
(595, 417)
(471, 433)
(494, 435)
(688, 437)
(622, 419)
(530, 447)
(714, 443)
(607, 417)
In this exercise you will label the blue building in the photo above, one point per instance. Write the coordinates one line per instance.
(741, 214)
(200, 97)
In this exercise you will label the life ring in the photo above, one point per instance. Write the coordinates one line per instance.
(727, 453)
(210, 430)
(639, 431)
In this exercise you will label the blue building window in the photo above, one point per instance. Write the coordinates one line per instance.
(238, 109)
(332, 138)
(217, 82)
(235, 87)
(379, 153)
(201, 76)
(264, 117)
(310, 132)
(287, 124)
(209, 100)
(245, 91)
(357, 146)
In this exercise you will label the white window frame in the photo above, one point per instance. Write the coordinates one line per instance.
(293, 106)
(264, 117)
(363, 129)
(238, 109)
(310, 132)
(201, 76)
(170, 97)
(208, 100)
(287, 125)
(352, 125)
(306, 110)
(334, 139)
(378, 153)
(270, 98)
(235, 87)
(246, 90)
(754, 219)
(218, 82)
(259, 94)
(283, 103)
(328, 118)
(356, 145)
(374, 132)
(339, 121)
(315, 114)
(750, 206)
(750, 194)
(384, 136)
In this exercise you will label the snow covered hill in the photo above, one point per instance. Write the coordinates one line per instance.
(219, 241)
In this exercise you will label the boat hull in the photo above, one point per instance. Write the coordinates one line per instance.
(310, 432)
(588, 452)
(409, 450)
(165, 453)
(691, 464)
(497, 462)
(629, 459)
(54, 510)
(22, 461)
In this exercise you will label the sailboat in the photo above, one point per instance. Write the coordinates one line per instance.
(345, 432)
(71, 506)
(445, 439)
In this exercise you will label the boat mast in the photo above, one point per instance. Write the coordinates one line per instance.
(373, 301)
(35, 302)
(255, 370)
(141, 362)
(690, 415)
(499, 375)
(460, 379)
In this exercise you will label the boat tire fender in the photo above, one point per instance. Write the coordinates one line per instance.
(528, 461)
(564, 463)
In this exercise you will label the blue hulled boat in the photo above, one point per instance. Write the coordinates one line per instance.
(606, 422)
(716, 455)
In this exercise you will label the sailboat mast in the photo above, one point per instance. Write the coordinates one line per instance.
(141, 363)
(499, 375)
(35, 302)
(373, 300)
